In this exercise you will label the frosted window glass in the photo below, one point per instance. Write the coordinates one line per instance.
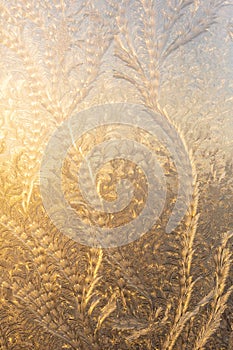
(116, 153)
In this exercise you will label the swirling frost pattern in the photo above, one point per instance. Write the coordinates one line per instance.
(125, 148)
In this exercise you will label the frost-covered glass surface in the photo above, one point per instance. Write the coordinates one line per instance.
(116, 185)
